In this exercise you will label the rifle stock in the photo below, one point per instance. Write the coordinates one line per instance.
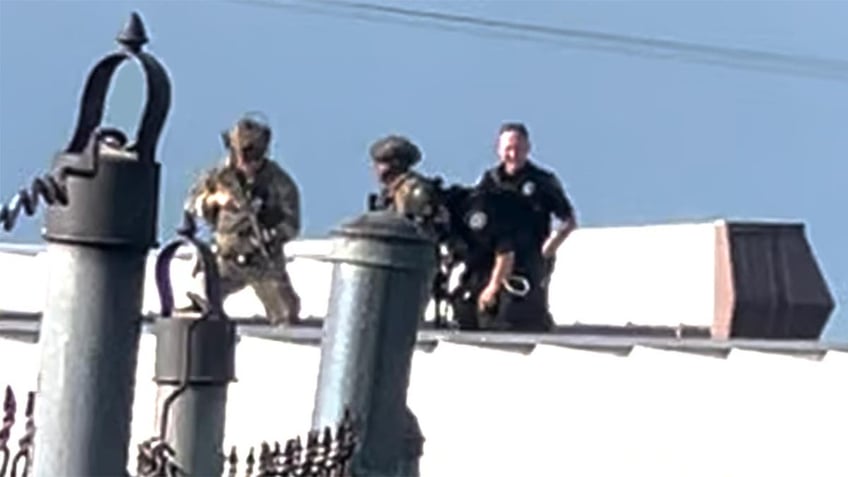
(372, 202)
(226, 178)
(452, 198)
(440, 292)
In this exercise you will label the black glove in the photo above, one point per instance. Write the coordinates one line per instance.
(549, 264)
(188, 227)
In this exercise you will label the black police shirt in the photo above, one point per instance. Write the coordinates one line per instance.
(490, 222)
(541, 188)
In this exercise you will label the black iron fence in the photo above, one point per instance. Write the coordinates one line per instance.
(16, 463)
(325, 453)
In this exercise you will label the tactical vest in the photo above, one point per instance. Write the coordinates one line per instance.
(234, 234)
(416, 197)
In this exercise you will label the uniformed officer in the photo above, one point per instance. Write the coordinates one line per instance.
(544, 191)
(490, 231)
(404, 190)
(415, 197)
(253, 208)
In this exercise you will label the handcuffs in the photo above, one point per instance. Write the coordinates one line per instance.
(516, 285)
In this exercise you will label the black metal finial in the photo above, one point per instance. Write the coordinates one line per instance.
(133, 36)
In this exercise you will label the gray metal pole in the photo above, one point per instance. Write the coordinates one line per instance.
(88, 361)
(380, 288)
(98, 245)
(192, 411)
(195, 362)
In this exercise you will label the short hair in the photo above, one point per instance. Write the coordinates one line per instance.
(516, 127)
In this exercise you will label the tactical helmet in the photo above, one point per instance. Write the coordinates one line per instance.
(421, 200)
(397, 150)
(250, 134)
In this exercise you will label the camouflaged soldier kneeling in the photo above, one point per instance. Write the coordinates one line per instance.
(403, 190)
(253, 207)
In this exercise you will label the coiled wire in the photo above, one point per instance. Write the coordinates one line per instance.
(52, 188)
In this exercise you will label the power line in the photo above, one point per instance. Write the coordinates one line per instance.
(323, 11)
(733, 57)
(670, 45)
(319, 10)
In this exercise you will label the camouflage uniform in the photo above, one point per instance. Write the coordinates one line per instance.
(405, 191)
(250, 234)
(416, 197)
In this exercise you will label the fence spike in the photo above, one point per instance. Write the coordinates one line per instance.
(10, 408)
(232, 460)
(325, 454)
(251, 460)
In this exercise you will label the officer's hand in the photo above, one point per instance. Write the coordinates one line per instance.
(487, 298)
(219, 198)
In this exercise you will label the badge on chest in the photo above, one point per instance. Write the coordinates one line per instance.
(477, 220)
(528, 188)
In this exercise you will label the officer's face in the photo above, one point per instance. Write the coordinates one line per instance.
(513, 148)
(248, 162)
(383, 170)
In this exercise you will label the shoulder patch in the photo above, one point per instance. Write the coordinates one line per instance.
(477, 219)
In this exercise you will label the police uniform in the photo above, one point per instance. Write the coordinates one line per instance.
(541, 187)
(488, 222)
(546, 197)
(250, 234)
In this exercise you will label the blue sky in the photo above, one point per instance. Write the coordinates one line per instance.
(635, 139)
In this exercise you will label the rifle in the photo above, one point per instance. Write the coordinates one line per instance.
(439, 289)
(449, 199)
(449, 247)
(227, 179)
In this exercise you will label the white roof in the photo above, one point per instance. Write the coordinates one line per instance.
(659, 275)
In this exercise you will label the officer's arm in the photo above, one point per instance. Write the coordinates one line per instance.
(563, 211)
(504, 261)
(287, 200)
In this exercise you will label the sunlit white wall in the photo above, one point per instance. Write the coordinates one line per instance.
(556, 411)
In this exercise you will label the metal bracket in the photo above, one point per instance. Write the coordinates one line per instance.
(192, 351)
(126, 170)
(156, 108)
(214, 302)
